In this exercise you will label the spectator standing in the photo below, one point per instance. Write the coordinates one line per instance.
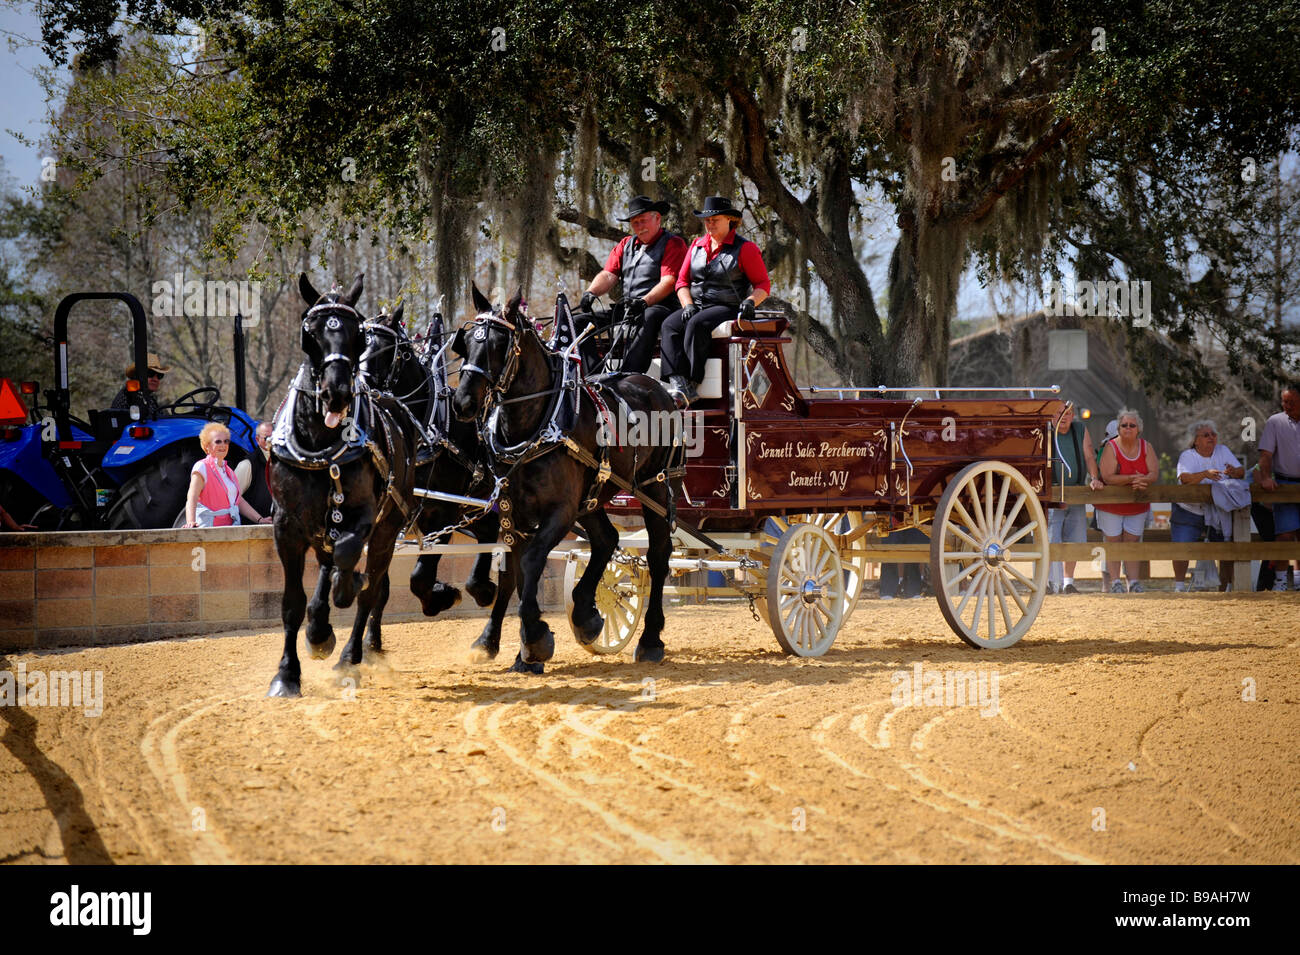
(1126, 461)
(214, 499)
(1204, 462)
(1279, 463)
(1074, 465)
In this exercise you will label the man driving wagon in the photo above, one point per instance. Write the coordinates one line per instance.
(647, 263)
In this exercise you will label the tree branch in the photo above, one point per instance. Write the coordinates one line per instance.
(979, 207)
(595, 227)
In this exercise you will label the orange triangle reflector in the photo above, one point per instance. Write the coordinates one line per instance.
(12, 409)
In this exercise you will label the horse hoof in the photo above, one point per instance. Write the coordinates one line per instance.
(374, 656)
(284, 688)
(483, 649)
(541, 649)
(645, 654)
(521, 667)
(347, 669)
(484, 592)
(587, 630)
(321, 650)
(440, 597)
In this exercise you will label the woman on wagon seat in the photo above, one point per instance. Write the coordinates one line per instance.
(722, 278)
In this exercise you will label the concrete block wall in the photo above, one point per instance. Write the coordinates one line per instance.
(91, 588)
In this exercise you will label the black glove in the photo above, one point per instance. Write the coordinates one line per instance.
(689, 311)
(588, 300)
(747, 310)
(635, 308)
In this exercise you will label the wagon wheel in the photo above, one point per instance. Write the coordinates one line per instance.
(621, 596)
(806, 598)
(988, 555)
(855, 567)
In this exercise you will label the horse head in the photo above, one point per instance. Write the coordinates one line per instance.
(331, 340)
(388, 353)
(490, 344)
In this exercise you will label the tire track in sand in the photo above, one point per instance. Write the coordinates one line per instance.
(665, 850)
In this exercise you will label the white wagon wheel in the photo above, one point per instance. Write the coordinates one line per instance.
(806, 600)
(842, 523)
(988, 554)
(621, 596)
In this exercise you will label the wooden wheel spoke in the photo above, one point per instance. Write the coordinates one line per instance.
(988, 500)
(975, 584)
(1028, 528)
(1015, 595)
(1019, 576)
(977, 525)
(956, 531)
(1009, 521)
(996, 518)
(950, 581)
(1002, 602)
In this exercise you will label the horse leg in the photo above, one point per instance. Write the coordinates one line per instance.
(380, 555)
(375, 636)
(435, 596)
(288, 678)
(347, 554)
(480, 585)
(537, 641)
(489, 641)
(585, 619)
(320, 634)
(650, 648)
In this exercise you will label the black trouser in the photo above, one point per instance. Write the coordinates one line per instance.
(641, 351)
(639, 339)
(684, 346)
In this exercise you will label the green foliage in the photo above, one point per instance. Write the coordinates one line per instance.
(1125, 157)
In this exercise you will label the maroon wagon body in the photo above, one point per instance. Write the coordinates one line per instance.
(769, 448)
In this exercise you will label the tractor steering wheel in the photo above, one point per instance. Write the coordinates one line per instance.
(190, 399)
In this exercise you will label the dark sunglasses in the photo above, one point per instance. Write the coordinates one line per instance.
(156, 374)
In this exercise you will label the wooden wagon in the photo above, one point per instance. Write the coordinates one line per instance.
(792, 487)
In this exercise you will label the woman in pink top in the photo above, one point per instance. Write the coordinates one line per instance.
(1128, 460)
(214, 499)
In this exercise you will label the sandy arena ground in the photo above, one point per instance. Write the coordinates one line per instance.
(1120, 735)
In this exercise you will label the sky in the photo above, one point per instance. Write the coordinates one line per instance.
(22, 101)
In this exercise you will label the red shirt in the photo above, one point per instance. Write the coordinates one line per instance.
(1126, 465)
(674, 253)
(751, 262)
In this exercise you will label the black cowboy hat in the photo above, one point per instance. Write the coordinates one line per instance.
(640, 204)
(717, 206)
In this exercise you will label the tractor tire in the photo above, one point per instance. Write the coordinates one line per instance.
(154, 496)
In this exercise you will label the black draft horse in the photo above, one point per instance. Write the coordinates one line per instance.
(342, 478)
(512, 381)
(448, 459)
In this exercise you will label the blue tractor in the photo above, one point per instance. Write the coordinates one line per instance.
(123, 468)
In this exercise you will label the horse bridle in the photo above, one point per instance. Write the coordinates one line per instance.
(511, 367)
(372, 329)
(331, 323)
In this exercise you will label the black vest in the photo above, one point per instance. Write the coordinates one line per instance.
(722, 281)
(642, 275)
